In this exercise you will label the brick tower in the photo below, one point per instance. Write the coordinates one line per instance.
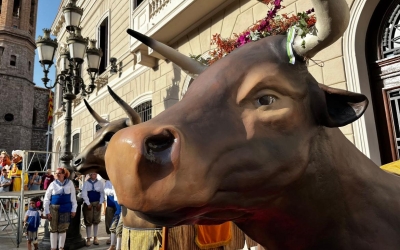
(18, 110)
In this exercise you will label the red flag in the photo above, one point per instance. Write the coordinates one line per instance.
(50, 114)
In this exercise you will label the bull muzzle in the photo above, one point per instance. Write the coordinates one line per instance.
(140, 159)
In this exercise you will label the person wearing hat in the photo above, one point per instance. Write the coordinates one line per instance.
(93, 197)
(16, 170)
(60, 206)
(5, 161)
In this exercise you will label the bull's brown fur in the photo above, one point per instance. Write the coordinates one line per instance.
(255, 141)
(91, 159)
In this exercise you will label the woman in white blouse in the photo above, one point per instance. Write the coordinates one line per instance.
(60, 206)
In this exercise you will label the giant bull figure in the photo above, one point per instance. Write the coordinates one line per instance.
(255, 141)
(91, 159)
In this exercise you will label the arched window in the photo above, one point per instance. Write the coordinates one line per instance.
(16, 8)
(75, 144)
(103, 32)
(136, 3)
(97, 128)
(144, 110)
(390, 45)
(32, 13)
(383, 60)
(13, 60)
(34, 117)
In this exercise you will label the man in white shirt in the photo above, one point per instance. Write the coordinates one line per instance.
(93, 197)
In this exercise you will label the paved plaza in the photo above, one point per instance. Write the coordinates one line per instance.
(8, 239)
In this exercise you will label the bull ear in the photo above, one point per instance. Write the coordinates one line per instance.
(100, 120)
(134, 117)
(341, 107)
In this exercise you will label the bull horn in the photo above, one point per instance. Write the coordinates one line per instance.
(100, 120)
(332, 20)
(134, 117)
(187, 64)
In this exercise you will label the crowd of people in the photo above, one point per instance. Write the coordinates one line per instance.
(60, 206)
(11, 170)
(60, 202)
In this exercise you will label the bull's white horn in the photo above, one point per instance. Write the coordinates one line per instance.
(100, 120)
(186, 63)
(134, 117)
(332, 20)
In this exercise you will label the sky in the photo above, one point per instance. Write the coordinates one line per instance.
(47, 11)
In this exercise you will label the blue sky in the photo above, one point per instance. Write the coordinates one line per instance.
(46, 14)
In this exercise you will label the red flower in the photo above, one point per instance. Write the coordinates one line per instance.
(262, 28)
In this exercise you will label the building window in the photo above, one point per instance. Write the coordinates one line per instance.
(390, 46)
(34, 117)
(13, 60)
(16, 8)
(1, 4)
(144, 110)
(75, 144)
(9, 117)
(97, 128)
(136, 3)
(32, 13)
(103, 44)
(29, 66)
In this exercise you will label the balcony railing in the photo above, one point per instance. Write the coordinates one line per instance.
(165, 20)
(156, 6)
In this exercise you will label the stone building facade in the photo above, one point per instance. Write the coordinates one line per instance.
(23, 109)
(188, 25)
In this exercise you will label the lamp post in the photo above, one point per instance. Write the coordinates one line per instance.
(71, 85)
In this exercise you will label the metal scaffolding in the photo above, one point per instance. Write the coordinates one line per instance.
(14, 215)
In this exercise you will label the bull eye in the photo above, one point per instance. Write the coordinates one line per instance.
(266, 100)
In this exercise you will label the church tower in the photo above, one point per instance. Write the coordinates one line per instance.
(17, 53)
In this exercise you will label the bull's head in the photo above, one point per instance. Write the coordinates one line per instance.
(91, 159)
(247, 129)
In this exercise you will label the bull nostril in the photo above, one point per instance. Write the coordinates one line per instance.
(160, 142)
(78, 162)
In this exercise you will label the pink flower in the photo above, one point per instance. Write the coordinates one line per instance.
(243, 39)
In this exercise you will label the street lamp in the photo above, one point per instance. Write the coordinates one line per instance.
(71, 84)
(72, 58)
(72, 14)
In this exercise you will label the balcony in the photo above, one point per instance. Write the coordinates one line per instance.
(166, 20)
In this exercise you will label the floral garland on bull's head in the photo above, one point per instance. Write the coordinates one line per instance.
(272, 24)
